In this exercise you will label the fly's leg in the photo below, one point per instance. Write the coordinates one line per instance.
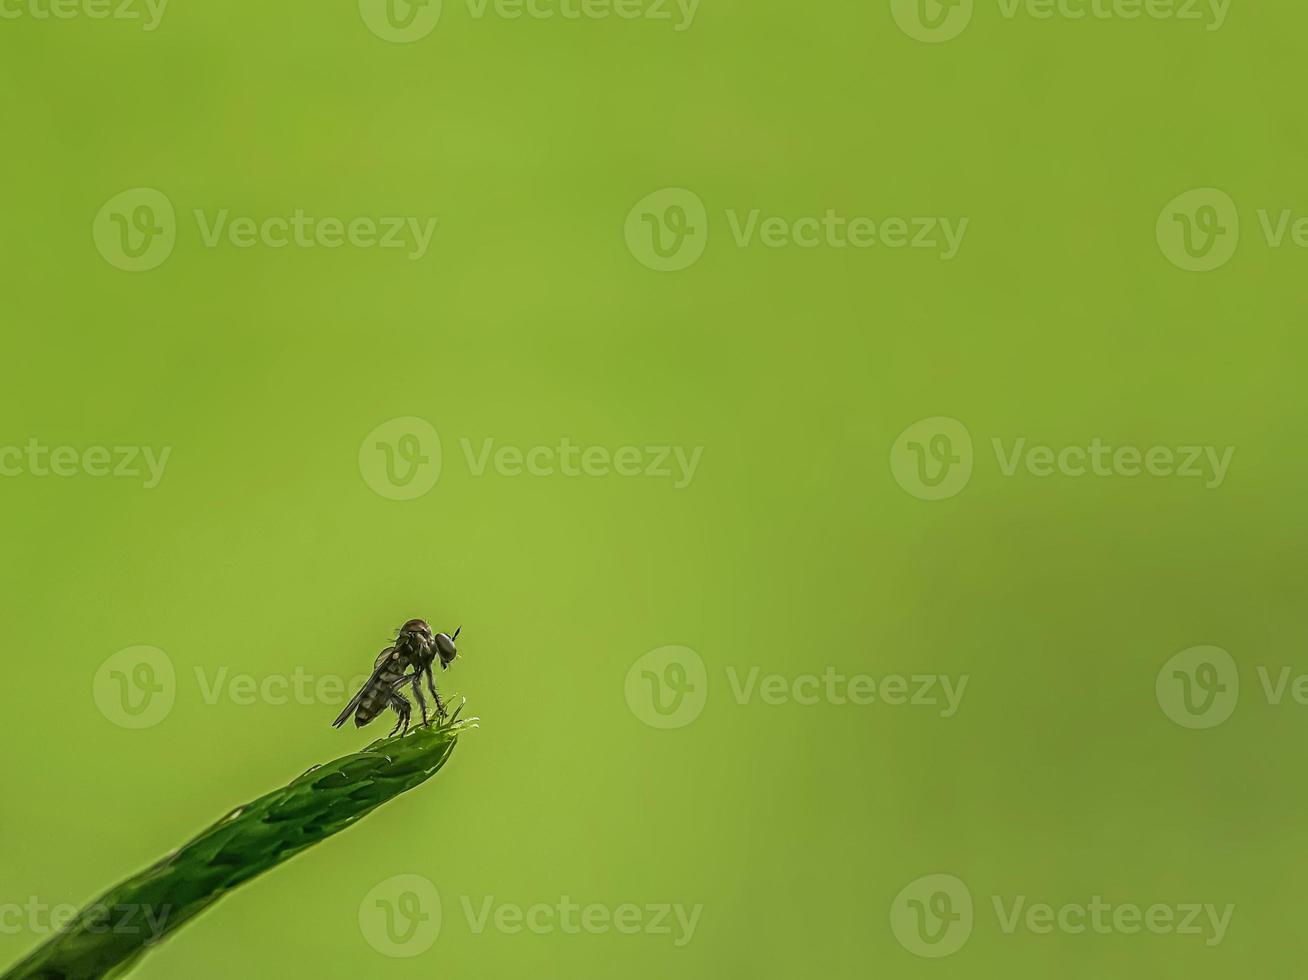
(400, 705)
(431, 686)
(422, 702)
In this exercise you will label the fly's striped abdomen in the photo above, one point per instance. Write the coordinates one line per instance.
(378, 693)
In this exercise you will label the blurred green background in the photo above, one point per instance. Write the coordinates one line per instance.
(266, 548)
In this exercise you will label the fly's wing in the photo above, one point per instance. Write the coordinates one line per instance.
(353, 706)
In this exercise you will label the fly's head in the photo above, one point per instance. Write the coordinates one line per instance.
(446, 648)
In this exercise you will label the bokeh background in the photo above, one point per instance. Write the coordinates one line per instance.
(267, 547)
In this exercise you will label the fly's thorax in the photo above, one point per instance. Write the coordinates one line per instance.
(415, 638)
(406, 660)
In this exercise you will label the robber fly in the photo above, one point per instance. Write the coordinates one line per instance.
(417, 647)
